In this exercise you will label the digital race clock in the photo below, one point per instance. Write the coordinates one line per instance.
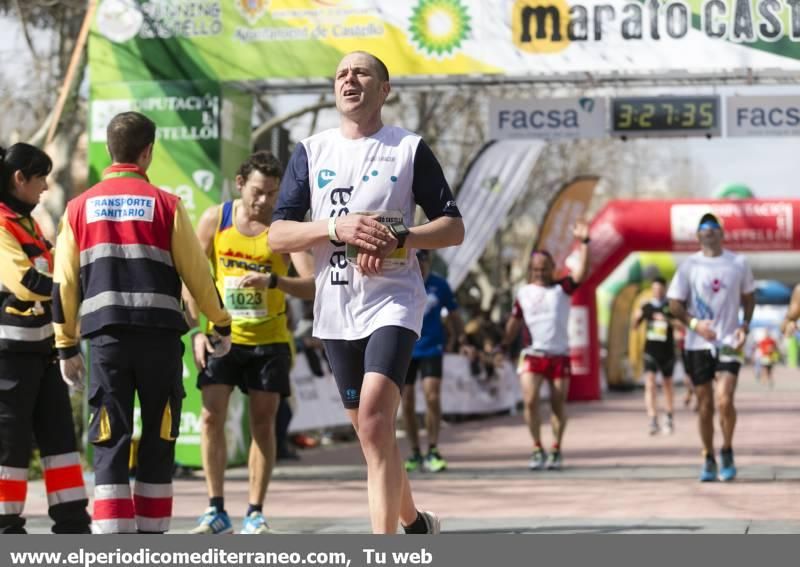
(665, 116)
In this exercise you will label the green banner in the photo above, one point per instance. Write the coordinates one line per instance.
(203, 135)
(301, 40)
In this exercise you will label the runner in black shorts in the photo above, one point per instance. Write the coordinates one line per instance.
(361, 183)
(659, 354)
(262, 368)
(706, 294)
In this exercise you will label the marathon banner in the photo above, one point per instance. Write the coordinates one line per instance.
(465, 549)
(279, 40)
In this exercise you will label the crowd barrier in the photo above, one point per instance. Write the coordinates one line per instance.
(318, 405)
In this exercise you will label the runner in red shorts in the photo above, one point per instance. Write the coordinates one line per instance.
(543, 306)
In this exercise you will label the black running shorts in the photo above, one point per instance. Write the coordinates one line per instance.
(703, 366)
(387, 351)
(263, 368)
(427, 367)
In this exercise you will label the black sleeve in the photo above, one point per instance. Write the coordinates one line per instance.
(647, 312)
(294, 199)
(431, 191)
(569, 285)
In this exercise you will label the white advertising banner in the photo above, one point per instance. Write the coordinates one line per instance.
(319, 406)
(496, 179)
(548, 119)
(763, 116)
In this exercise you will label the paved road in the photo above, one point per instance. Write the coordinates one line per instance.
(617, 479)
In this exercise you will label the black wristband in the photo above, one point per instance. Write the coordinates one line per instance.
(273, 281)
(586, 240)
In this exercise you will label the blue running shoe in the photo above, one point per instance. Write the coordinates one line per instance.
(255, 523)
(213, 523)
(727, 472)
(709, 472)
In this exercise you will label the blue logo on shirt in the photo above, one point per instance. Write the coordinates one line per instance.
(325, 176)
(351, 394)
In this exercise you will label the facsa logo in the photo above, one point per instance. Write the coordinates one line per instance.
(325, 176)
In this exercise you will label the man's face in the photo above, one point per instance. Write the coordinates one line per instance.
(710, 237)
(259, 192)
(541, 269)
(358, 87)
(659, 290)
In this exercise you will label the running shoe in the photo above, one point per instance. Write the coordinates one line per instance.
(255, 523)
(669, 426)
(432, 522)
(727, 470)
(709, 472)
(653, 429)
(554, 461)
(213, 523)
(414, 462)
(538, 460)
(434, 461)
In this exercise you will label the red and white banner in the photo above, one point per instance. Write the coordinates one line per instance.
(748, 225)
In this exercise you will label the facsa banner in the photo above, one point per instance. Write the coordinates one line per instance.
(548, 119)
(244, 40)
(763, 115)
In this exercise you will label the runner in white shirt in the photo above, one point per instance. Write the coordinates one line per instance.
(370, 298)
(543, 306)
(706, 294)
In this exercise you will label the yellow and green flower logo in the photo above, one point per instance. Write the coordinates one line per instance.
(438, 27)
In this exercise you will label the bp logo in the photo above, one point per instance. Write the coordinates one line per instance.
(252, 10)
(438, 27)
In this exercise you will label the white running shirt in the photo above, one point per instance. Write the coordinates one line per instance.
(712, 287)
(329, 175)
(545, 310)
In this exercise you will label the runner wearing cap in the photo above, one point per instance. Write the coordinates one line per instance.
(543, 305)
(706, 294)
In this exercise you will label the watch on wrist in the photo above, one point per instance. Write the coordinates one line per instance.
(273, 281)
(400, 232)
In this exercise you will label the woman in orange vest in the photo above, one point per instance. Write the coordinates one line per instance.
(34, 401)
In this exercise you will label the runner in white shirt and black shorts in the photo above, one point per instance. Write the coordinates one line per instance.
(706, 294)
(361, 183)
(543, 306)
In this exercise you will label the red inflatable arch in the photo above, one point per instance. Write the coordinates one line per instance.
(623, 227)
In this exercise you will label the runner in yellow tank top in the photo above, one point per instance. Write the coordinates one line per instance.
(259, 314)
(251, 281)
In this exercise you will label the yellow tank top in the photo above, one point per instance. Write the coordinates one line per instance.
(259, 315)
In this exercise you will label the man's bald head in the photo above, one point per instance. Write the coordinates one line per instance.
(381, 70)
